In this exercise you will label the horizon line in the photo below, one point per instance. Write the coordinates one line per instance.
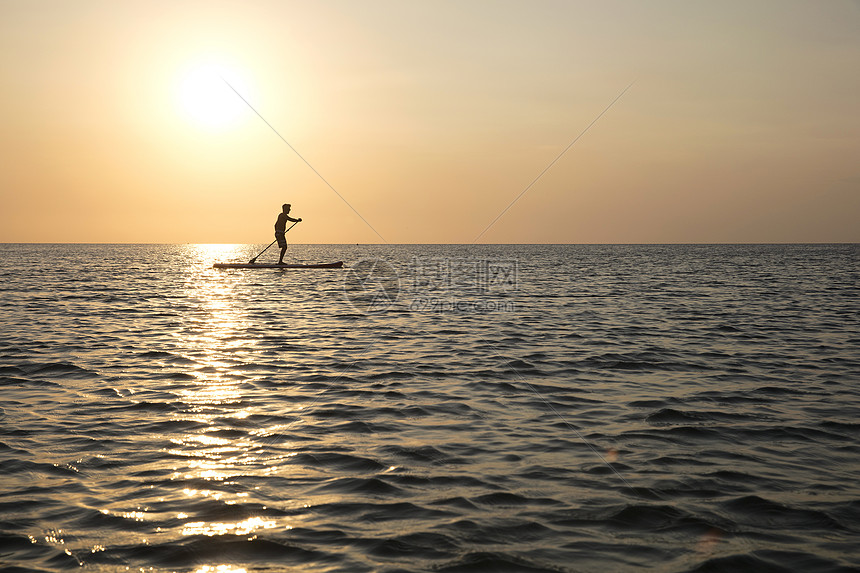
(452, 244)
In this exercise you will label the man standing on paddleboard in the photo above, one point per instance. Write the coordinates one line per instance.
(281, 230)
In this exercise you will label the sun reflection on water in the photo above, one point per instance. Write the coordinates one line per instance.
(220, 569)
(211, 529)
(219, 448)
(208, 254)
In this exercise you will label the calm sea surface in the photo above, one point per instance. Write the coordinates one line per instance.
(430, 408)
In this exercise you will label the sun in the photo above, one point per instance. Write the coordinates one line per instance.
(208, 99)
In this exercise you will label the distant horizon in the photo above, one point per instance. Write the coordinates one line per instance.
(453, 244)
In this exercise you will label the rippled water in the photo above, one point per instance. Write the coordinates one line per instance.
(517, 408)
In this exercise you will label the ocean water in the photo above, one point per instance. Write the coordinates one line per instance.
(430, 408)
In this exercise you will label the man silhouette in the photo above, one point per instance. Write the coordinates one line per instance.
(281, 230)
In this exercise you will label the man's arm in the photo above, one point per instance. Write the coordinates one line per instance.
(290, 219)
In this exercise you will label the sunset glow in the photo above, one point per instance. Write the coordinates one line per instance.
(742, 124)
(208, 99)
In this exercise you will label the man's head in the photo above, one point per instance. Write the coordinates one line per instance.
(286, 207)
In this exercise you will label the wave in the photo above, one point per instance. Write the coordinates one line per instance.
(681, 408)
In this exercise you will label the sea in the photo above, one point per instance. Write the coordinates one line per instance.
(447, 408)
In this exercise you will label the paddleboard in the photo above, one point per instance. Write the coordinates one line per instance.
(337, 265)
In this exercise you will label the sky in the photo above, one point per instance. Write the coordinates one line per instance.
(421, 122)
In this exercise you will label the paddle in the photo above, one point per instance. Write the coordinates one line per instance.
(254, 260)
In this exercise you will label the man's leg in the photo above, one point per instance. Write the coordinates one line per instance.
(283, 251)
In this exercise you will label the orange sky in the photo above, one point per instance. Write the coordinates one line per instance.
(429, 118)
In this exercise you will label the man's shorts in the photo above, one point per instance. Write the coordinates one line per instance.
(282, 239)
